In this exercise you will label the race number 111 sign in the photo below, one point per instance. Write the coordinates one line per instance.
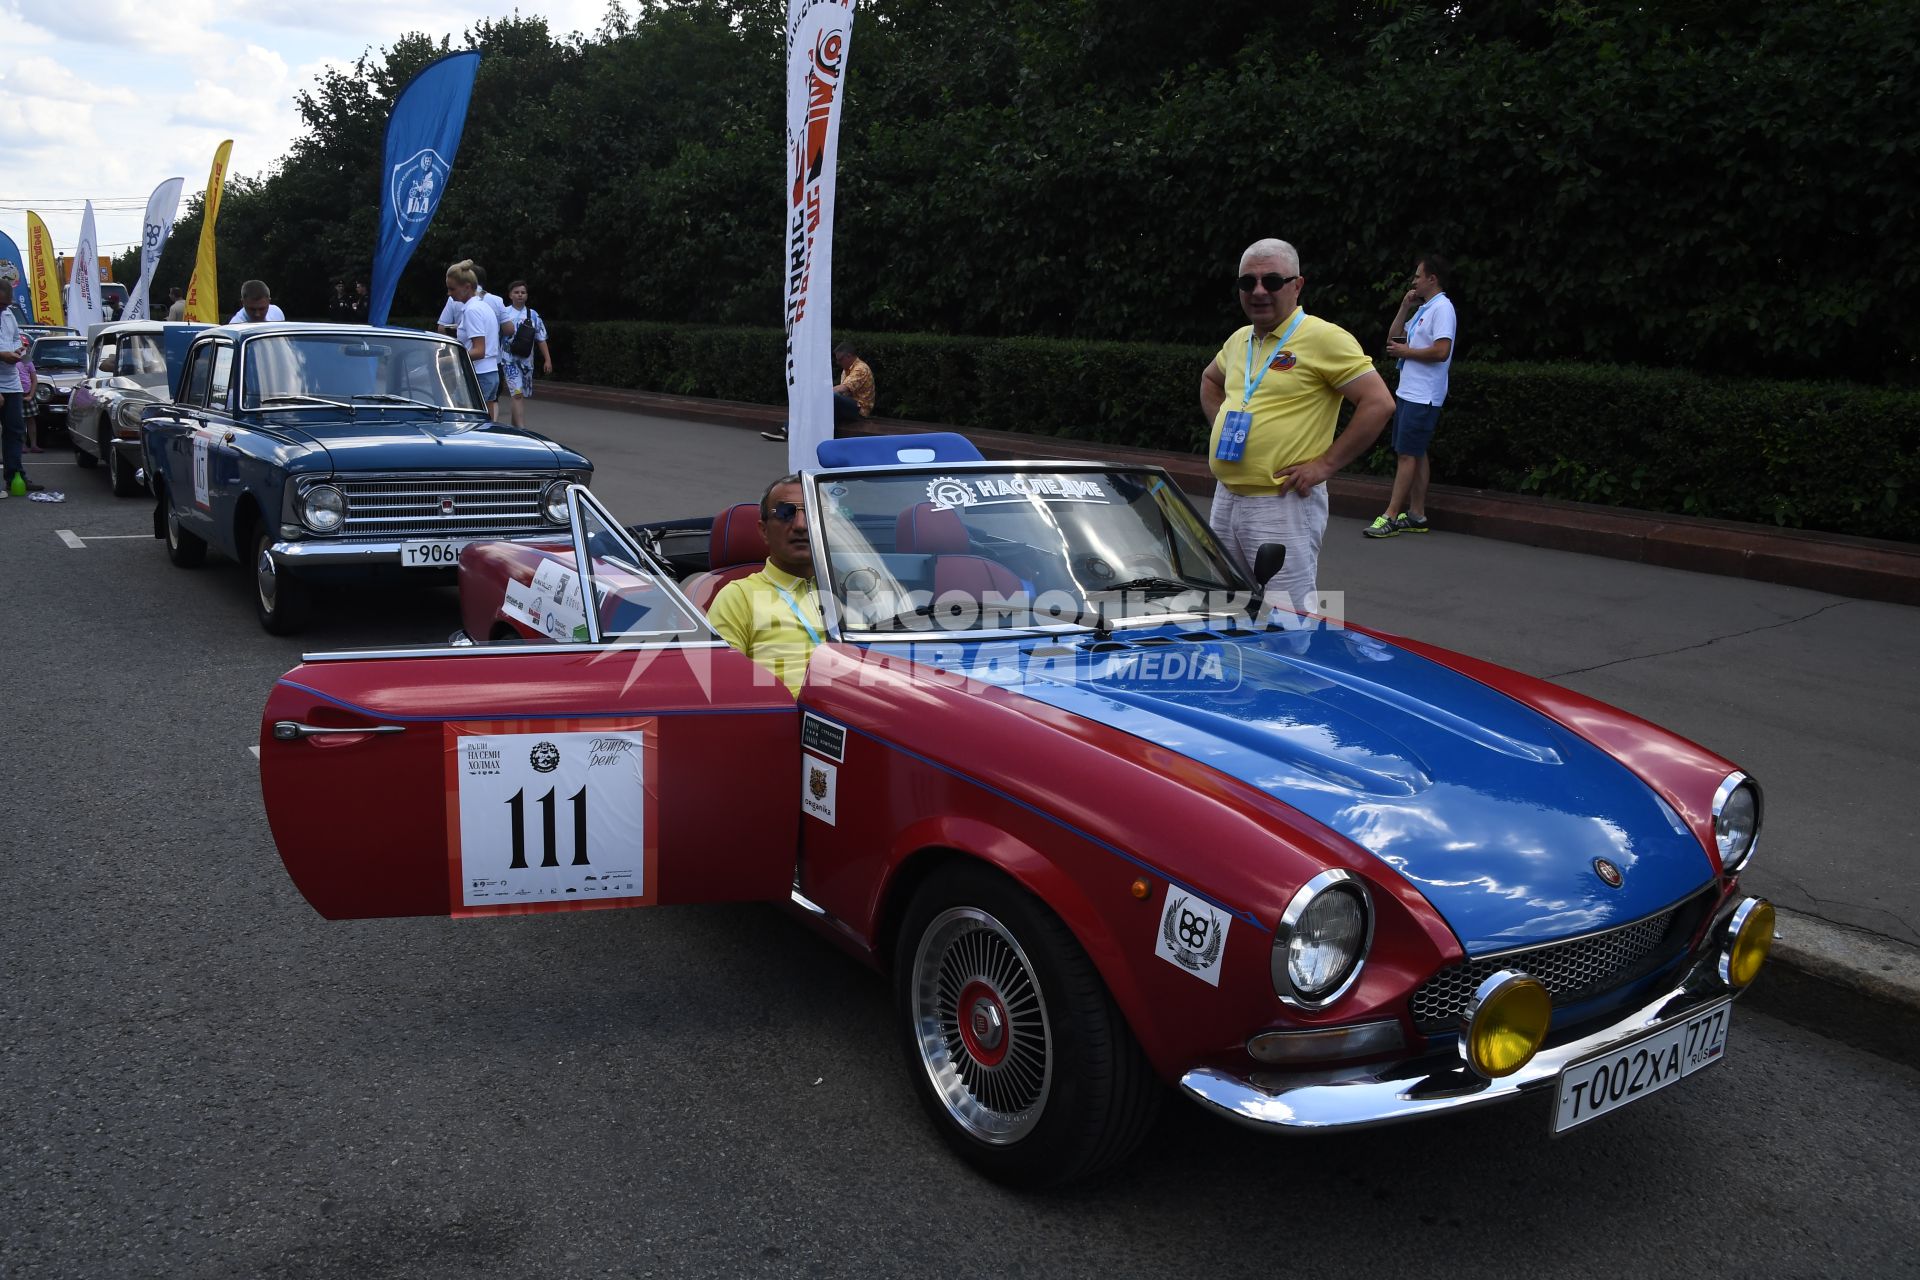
(549, 816)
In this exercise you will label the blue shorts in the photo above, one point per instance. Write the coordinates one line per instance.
(1413, 426)
(489, 385)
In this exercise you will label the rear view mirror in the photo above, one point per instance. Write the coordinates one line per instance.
(1269, 560)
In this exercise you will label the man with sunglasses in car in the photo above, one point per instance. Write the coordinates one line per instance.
(773, 616)
(1272, 397)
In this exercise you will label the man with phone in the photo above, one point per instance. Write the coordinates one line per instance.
(1421, 338)
(1272, 396)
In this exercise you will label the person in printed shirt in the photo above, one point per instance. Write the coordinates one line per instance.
(773, 616)
(1272, 396)
(853, 394)
(1423, 343)
(518, 370)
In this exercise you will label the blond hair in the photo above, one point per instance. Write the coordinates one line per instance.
(462, 272)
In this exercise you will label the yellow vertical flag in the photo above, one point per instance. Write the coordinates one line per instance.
(203, 294)
(43, 276)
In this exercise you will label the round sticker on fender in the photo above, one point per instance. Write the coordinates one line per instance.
(549, 819)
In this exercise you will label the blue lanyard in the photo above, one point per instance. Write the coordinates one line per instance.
(795, 606)
(1253, 383)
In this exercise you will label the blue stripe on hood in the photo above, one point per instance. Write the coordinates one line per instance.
(1491, 810)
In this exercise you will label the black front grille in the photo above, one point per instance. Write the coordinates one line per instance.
(481, 507)
(1570, 971)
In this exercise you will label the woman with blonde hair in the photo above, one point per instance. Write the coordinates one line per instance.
(478, 329)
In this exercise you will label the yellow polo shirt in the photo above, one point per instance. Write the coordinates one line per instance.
(753, 616)
(1296, 406)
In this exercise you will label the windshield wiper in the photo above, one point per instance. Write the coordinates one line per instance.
(1151, 585)
(271, 402)
(384, 397)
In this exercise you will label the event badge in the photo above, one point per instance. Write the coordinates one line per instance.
(1233, 435)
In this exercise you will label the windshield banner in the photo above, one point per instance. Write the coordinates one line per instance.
(423, 137)
(43, 274)
(161, 206)
(203, 291)
(818, 32)
(83, 290)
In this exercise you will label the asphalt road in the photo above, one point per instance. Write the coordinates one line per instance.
(203, 1078)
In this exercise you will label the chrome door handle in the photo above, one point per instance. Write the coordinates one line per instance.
(293, 730)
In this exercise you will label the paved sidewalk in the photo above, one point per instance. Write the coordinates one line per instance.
(1808, 683)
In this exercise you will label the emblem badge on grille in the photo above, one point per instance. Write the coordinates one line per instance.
(1607, 872)
(446, 506)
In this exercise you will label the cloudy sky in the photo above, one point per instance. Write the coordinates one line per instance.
(105, 99)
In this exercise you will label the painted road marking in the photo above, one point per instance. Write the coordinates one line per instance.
(71, 538)
(255, 748)
(79, 543)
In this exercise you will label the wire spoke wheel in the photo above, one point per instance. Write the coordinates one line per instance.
(981, 1024)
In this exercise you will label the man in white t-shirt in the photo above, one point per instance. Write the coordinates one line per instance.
(13, 420)
(256, 305)
(1421, 337)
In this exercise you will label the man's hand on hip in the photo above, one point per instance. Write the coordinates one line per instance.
(1300, 478)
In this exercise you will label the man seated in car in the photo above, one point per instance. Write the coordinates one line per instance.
(773, 616)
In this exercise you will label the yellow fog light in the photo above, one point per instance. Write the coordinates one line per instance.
(1504, 1023)
(1749, 940)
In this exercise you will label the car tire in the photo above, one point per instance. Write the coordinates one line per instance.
(280, 600)
(1018, 1052)
(81, 454)
(187, 550)
(126, 477)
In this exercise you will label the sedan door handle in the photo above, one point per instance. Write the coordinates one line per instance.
(293, 730)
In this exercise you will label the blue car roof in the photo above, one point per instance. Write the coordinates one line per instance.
(883, 451)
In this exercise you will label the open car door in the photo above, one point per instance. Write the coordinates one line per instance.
(646, 765)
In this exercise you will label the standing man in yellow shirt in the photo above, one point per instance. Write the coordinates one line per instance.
(773, 616)
(1273, 395)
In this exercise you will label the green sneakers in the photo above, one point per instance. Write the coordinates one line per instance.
(1393, 526)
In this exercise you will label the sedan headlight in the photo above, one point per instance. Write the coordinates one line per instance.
(1322, 940)
(553, 502)
(43, 393)
(323, 509)
(1736, 820)
(126, 418)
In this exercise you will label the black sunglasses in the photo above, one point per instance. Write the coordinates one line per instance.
(1272, 282)
(784, 511)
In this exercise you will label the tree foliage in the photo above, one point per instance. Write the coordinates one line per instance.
(1701, 184)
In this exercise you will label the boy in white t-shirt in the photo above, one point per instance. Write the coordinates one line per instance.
(1421, 337)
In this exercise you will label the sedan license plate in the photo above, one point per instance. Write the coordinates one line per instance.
(430, 555)
(1629, 1072)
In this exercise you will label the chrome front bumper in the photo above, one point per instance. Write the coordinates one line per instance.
(320, 553)
(1387, 1093)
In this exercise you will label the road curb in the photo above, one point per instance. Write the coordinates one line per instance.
(1837, 564)
(1846, 984)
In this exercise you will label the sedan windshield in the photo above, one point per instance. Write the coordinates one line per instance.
(59, 353)
(374, 370)
(1018, 548)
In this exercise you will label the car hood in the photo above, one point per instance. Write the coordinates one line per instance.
(415, 442)
(1494, 812)
(65, 379)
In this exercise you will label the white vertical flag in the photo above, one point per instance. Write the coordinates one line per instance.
(161, 206)
(818, 33)
(83, 290)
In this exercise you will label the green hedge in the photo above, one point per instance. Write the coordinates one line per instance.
(1829, 456)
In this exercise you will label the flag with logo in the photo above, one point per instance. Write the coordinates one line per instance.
(818, 32)
(43, 274)
(203, 291)
(83, 291)
(423, 136)
(13, 270)
(161, 206)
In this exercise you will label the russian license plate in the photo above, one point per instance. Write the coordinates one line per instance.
(1629, 1072)
(430, 555)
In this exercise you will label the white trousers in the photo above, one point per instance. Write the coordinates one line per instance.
(1242, 524)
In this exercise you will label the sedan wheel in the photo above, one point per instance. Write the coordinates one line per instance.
(126, 476)
(280, 599)
(1017, 1050)
(187, 550)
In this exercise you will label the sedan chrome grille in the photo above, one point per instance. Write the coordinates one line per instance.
(1570, 971)
(428, 507)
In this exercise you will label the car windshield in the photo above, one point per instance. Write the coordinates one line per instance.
(1021, 548)
(141, 359)
(364, 370)
(59, 353)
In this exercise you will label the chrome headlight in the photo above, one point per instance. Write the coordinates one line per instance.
(43, 393)
(553, 502)
(126, 417)
(1736, 820)
(323, 509)
(1322, 940)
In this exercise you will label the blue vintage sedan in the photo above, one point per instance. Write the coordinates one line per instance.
(312, 452)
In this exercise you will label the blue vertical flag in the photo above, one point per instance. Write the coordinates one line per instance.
(423, 136)
(10, 254)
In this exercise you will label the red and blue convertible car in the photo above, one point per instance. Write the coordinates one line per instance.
(1104, 818)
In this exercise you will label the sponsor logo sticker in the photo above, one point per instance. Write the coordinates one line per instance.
(819, 788)
(1193, 935)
